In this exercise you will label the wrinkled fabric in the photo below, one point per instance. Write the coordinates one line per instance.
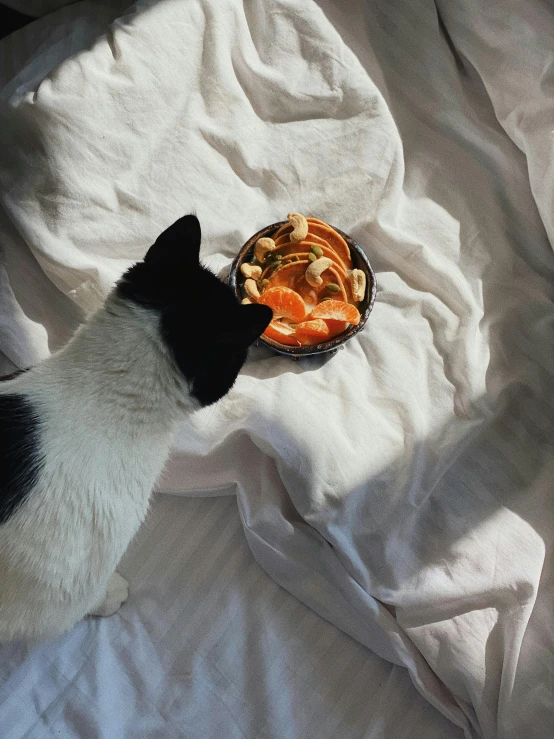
(401, 488)
(36, 8)
(207, 646)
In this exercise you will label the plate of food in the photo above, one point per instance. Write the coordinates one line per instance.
(316, 279)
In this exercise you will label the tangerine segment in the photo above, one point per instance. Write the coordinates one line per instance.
(337, 310)
(284, 302)
(292, 275)
(282, 333)
(335, 327)
(317, 329)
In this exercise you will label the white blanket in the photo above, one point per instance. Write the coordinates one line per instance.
(207, 647)
(402, 488)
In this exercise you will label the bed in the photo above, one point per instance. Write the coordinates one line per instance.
(379, 564)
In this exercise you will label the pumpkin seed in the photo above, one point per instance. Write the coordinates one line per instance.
(312, 257)
(317, 250)
(332, 288)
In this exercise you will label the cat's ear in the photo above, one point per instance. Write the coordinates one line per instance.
(248, 324)
(178, 244)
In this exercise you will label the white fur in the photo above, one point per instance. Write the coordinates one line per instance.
(108, 403)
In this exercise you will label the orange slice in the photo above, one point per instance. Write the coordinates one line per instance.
(316, 220)
(300, 250)
(337, 310)
(335, 240)
(282, 333)
(325, 233)
(285, 239)
(330, 275)
(286, 228)
(284, 302)
(292, 276)
(316, 329)
(287, 275)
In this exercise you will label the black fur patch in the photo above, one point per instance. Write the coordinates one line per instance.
(12, 375)
(20, 459)
(207, 331)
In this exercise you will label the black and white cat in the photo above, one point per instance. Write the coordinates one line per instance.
(85, 434)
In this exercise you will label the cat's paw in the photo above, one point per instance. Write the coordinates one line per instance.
(117, 593)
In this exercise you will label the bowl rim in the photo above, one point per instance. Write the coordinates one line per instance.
(325, 346)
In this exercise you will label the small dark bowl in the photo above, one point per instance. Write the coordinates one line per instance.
(359, 260)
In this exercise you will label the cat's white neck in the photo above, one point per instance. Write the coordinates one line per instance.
(119, 362)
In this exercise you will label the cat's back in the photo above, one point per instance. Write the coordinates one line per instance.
(69, 457)
(66, 445)
(74, 488)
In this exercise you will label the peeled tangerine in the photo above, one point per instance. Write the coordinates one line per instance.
(284, 302)
(316, 329)
(283, 333)
(337, 310)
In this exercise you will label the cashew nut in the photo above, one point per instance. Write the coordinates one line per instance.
(315, 269)
(250, 270)
(246, 301)
(357, 283)
(300, 227)
(263, 246)
(251, 289)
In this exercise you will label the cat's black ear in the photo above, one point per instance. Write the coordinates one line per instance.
(180, 243)
(249, 323)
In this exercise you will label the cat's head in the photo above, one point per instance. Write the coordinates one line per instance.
(206, 329)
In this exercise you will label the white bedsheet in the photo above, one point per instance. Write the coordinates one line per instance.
(402, 488)
(208, 647)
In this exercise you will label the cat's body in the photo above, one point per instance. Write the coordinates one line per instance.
(101, 414)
